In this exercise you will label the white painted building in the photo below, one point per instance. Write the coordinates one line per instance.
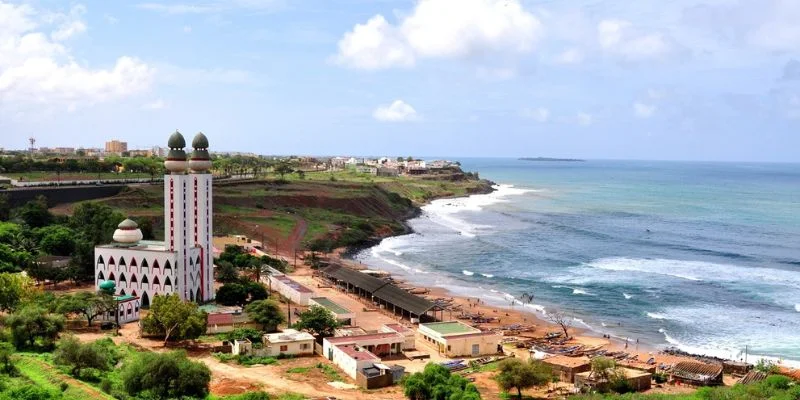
(351, 358)
(183, 262)
(382, 344)
(290, 289)
(289, 342)
(409, 342)
(342, 314)
(128, 309)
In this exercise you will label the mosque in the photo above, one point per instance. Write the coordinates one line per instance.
(184, 262)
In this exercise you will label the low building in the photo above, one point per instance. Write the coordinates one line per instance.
(242, 347)
(456, 339)
(288, 342)
(379, 375)
(248, 244)
(565, 368)
(128, 309)
(290, 289)
(349, 331)
(696, 373)
(221, 322)
(637, 379)
(351, 358)
(343, 315)
(382, 344)
(409, 343)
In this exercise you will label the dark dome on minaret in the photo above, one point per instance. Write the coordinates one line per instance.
(176, 158)
(200, 160)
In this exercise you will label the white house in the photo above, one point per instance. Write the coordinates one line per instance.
(183, 262)
(289, 342)
(290, 289)
(351, 358)
(381, 344)
(128, 309)
(456, 339)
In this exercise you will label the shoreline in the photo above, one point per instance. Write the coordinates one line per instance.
(641, 348)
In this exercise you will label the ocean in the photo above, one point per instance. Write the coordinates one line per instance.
(700, 256)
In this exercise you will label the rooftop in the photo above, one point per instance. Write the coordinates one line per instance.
(360, 338)
(151, 245)
(358, 354)
(288, 335)
(630, 373)
(449, 328)
(566, 361)
(292, 284)
(331, 305)
(398, 328)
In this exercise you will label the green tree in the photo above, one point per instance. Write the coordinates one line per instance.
(165, 376)
(9, 231)
(174, 318)
(80, 356)
(14, 289)
(12, 258)
(283, 168)
(87, 304)
(317, 321)
(33, 326)
(35, 213)
(57, 240)
(513, 373)
(267, 313)
(436, 382)
(7, 359)
(226, 272)
(604, 368)
(96, 221)
(232, 294)
(5, 207)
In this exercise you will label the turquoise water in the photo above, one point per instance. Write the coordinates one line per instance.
(703, 256)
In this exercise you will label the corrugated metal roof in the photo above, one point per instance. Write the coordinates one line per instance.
(753, 377)
(353, 277)
(697, 371)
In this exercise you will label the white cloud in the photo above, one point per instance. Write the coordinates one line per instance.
(441, 29)
(584, 119)
(655, 94)
(35, 67)
(110, 19)
(620, 38)
(779, 30)
(187, 29)
(644, 110)
(499, 74)
(569, 56)
(398, 111)
(374, 45)
(210, 7)
(155, 105)
(540, 114)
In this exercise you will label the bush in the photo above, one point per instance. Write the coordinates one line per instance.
(244, 333)
(106, 386)
(249, 396)
(166, 375)
(660, 377)
(779, 382)
(619, 384)
(85, 360)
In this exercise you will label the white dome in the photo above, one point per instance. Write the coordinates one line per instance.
(199, 165)
(128, 232)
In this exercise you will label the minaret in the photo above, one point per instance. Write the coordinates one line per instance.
(177, 199)
(201, 183)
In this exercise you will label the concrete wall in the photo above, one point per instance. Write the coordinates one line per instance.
(61, 195)
(457, 346)
(301, 347)
(375, 382)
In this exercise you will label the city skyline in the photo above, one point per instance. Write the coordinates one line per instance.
(689, 80)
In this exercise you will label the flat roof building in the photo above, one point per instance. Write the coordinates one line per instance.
(343, 315)
(290, 289)
(289, 342)
(566, 367)
(455, 339)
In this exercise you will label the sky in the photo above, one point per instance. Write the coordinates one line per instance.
(714, 80)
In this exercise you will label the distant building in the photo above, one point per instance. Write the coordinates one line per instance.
(637, 379)
(565, 367)
(140, 153)
(455, 339)
(290, 289)
(115, 146)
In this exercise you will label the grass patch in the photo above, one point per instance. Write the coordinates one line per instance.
(291, 396)
(44, 375)
(298, 370)
(330, 372)
(245, 360)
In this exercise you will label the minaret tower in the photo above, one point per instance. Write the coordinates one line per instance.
(201, 183)
(177, 201)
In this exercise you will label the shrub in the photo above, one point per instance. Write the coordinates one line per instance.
(249, 396)
(779, 382)
(166, 375)
(244, 333)
(85, 360)
(660, 377)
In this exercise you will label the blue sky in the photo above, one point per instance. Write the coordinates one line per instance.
(688, 80)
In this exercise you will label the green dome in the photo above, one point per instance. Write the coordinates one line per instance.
(127, 223)
(176, 141)
(108, 286)
(176, 154)
(200, 141)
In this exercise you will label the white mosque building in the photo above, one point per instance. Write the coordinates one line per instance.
(184, 262)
